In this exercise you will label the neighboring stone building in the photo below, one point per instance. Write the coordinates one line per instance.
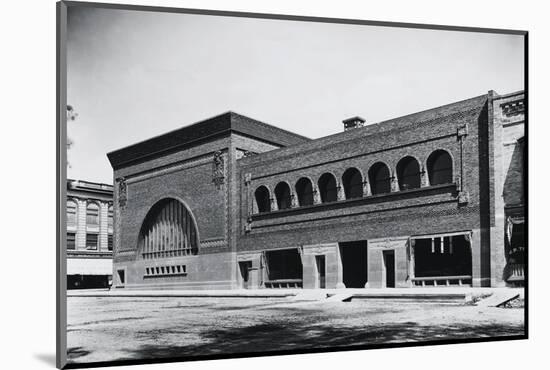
(89, 234)
(432, 198)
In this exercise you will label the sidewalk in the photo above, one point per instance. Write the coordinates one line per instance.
(404, 293)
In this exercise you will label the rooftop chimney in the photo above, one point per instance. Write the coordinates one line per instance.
(353, 122)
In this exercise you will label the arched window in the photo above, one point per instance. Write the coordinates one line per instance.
(379, 178)
(168, 230)
(282, 193)
(262, 199)
(71, 213)
(327, 188)
(353, 183)
(92, 215)
(304, 191)
(408, 173)
(440, 168)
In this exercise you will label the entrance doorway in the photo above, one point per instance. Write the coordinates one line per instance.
(244, 267)
(389, 265)
(321, 274)
(354, 263)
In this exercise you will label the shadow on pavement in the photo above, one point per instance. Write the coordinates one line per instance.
(282, 336)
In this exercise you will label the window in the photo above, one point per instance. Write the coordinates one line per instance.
(379, 178)
(327, 188)
(71, 241)
(408, 173)
(92, 241)
(110, 242)
(92, 215)
(262, 199)
(353, 183)
(168, 230)
(110, 217)
(304, 191)
(71, 213)
(282, 193)
(440, 168)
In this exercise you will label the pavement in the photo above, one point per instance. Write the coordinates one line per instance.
(125, 327)
(467, 293)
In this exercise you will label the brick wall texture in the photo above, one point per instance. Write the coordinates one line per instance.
(479, 134)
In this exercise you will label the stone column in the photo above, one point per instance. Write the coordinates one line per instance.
(274, 206)
(293, 200)
(103, 226)
(340, 195)
(316, 195)
(394, 183)
(366, 189)
(81, 225)
(424, 179)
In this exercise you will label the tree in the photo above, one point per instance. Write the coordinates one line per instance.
(71, 116)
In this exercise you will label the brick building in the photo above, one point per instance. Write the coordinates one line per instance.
(89, 234)
(432, 198)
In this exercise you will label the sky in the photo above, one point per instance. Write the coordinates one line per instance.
(132, 75)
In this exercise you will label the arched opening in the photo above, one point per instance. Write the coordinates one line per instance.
(353, 183)
(169, 230)
(304, 191)
(262, 199)
(282, 194)
(379, 178)
(408, 173)
(440, 168)
(327, 188)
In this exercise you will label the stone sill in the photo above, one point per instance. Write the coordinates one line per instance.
(412, 193)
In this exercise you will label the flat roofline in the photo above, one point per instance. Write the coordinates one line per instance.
(217, 126)
(229, 112)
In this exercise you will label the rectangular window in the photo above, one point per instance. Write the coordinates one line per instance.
(92, 215)
(92, 241)
(110, 242)
(71, 241)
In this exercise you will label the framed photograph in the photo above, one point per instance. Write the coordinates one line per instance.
(239, 184)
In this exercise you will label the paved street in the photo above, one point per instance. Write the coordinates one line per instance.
(124, 328)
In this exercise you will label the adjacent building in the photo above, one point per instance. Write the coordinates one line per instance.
(433, 198)
(89, 234)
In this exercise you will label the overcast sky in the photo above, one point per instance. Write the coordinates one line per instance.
(133, 75)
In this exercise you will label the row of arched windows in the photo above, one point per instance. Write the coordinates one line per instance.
(408, 171)
(92, 214)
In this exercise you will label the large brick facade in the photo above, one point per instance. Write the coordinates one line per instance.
(215, 167)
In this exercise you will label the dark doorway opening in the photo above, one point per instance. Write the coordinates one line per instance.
(389, 264)
(354, 263)
(442, 256)
(244, 267)
(321, 271)
(284, 269)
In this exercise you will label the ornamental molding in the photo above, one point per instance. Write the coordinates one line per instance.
(218, 169)
(122, 191)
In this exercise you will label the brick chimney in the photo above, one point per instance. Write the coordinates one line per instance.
(353, 122)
